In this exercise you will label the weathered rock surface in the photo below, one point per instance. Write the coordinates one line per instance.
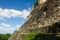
(45, 18)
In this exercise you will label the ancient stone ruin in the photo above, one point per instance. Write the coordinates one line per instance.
(44, 18)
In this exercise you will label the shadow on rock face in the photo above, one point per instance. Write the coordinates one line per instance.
(55, 28)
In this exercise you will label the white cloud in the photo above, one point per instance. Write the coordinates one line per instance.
(6, 28)
(5, 25)
(25, 13)
(4, 13)
(8, 13)
(17, 27)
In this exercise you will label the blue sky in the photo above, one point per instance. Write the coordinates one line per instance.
(13, 14)
(16, 4)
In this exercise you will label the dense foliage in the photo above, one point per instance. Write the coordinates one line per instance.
(4, 36)
(41, 37)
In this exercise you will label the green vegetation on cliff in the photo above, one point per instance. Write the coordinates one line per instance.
(29, 36)
(41, 37)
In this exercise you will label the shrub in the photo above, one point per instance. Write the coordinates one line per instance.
(4, 36)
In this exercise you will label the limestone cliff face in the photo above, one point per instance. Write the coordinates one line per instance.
(44, 17)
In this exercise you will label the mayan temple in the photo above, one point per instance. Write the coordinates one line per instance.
(44, 18)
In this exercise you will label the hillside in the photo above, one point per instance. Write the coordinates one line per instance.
(44, 18)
